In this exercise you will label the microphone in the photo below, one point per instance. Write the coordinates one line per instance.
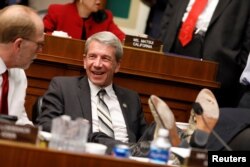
(199, 111)
(197, 108)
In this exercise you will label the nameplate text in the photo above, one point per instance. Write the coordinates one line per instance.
(143, 43)
(10, 131)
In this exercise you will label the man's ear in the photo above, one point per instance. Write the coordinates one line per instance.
(83, 61)
(17, 44)
(117, 68)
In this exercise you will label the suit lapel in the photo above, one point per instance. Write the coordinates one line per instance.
(124, 107)
(174, 21)
(182, 9)
(85, 100)
(222, 4)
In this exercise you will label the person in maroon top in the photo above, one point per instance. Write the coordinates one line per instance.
(80, 19)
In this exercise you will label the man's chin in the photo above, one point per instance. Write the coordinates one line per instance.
(98, 83)
(25, 67)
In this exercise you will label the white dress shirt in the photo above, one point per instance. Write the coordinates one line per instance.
(205, 17)
(245, 76)
(118, 122)
(17, 93)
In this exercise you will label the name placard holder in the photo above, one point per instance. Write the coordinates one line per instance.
(19, 133)
(143, 43)
(197, 158)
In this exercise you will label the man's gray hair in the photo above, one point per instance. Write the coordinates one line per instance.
(106, 38)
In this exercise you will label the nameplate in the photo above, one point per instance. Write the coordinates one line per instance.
(19, 133)
(198, 157)
(143, 43)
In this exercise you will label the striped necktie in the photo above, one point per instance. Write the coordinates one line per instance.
(105, 121)
(4, 95)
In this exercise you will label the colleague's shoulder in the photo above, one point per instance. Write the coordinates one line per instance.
(66, 82)
(67, 79)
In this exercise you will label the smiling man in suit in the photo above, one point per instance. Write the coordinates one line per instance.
(79, 96)
(220, 33)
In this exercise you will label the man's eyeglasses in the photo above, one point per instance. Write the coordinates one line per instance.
(40, 45)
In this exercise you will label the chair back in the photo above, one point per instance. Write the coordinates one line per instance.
(37, 109)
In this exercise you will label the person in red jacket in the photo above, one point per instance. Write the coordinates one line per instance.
(80, 19)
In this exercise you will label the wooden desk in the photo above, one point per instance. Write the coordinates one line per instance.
(22, 155)
(175, 79)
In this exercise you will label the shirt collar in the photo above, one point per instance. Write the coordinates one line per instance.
(95, 89)
(3, 67)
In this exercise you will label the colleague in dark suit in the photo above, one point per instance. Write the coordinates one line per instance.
(234, 128)
(80, 19)
(157, 8)
(245, 81)
(222, 34)
(78, 96)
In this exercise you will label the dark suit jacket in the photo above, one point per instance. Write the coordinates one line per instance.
(65, 17)
(71, 96)
(227, 39)
(231, 122)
